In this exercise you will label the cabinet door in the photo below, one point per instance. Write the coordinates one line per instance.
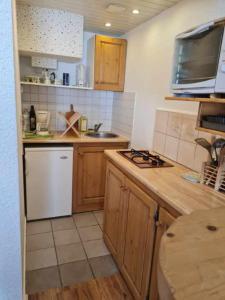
(113, 210)
(138, 239)
(165, 220)
(89, 177)
(110, 61)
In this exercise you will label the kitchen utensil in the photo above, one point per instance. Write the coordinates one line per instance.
(222, 155)
(205, 144)
(218, 144)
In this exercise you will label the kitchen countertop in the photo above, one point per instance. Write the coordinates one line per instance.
(71, 139)
(167, 183)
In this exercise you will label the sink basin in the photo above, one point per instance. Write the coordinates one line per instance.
(102, 135)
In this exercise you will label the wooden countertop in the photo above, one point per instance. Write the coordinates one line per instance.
(191, 257)
(167, 183)
(72, 139)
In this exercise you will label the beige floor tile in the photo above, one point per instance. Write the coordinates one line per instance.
(65, 237)
(40, 241)
(75, 272)
(90, 233)
(85, 219)
(95, 248)
(70, 253)
(63, 224)
(38, 227)
(103, 266)
(41, 259)
(43, 279)
(99, 216)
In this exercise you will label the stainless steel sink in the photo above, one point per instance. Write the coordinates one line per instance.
(102, 135)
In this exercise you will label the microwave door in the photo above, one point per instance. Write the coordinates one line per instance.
(197, 57)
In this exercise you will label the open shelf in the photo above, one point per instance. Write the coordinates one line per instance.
(57, 85)
(213, 132)
(207, 106)
(196, 99)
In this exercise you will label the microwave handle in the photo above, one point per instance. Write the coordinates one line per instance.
(196, 31)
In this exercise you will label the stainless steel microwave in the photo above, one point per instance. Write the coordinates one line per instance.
(199, 60)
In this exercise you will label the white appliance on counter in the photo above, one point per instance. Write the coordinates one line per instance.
(48, 181)
(199, 60)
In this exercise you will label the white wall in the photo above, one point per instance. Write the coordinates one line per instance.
(149, 61)
(11, 191)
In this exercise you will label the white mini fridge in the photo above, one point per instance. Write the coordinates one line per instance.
(48, 182)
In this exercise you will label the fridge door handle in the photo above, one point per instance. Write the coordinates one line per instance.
(196, 31)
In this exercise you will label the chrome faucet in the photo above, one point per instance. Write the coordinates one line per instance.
(97, 126)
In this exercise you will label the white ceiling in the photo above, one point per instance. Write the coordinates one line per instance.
(95, 14)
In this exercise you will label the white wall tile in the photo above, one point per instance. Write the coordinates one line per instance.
(98, 106)
(186, 154)
(188, 131)
(43, 90)
(34, 97)
(174, 124)
(179, 140)
(161, 121)
(171, 147)
(122, 115)
(201, 155)
(159, 142)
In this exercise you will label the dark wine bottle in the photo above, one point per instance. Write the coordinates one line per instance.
(32, 119)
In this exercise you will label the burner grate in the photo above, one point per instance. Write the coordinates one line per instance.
(144, 159)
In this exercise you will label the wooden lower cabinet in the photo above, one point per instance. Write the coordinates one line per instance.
(165, 220)
(114, 211)
(89, 175)
(129, 229)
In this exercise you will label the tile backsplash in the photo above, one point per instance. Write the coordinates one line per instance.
(174, 137)
(123, 113)
(98, 106)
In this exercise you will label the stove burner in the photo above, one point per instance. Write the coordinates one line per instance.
(144, 159)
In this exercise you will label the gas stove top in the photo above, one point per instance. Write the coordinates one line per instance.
(144, 159)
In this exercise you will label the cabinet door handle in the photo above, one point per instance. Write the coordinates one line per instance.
(63, 157)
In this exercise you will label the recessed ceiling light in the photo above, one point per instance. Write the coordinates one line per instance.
(108, 24)
(135, 11)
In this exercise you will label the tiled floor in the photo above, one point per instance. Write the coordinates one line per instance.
(67, 250)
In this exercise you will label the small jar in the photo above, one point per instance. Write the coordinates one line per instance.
(83, 124)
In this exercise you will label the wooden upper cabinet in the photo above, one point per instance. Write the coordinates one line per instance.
(138, 239)
(110, 62)
(165, 220)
